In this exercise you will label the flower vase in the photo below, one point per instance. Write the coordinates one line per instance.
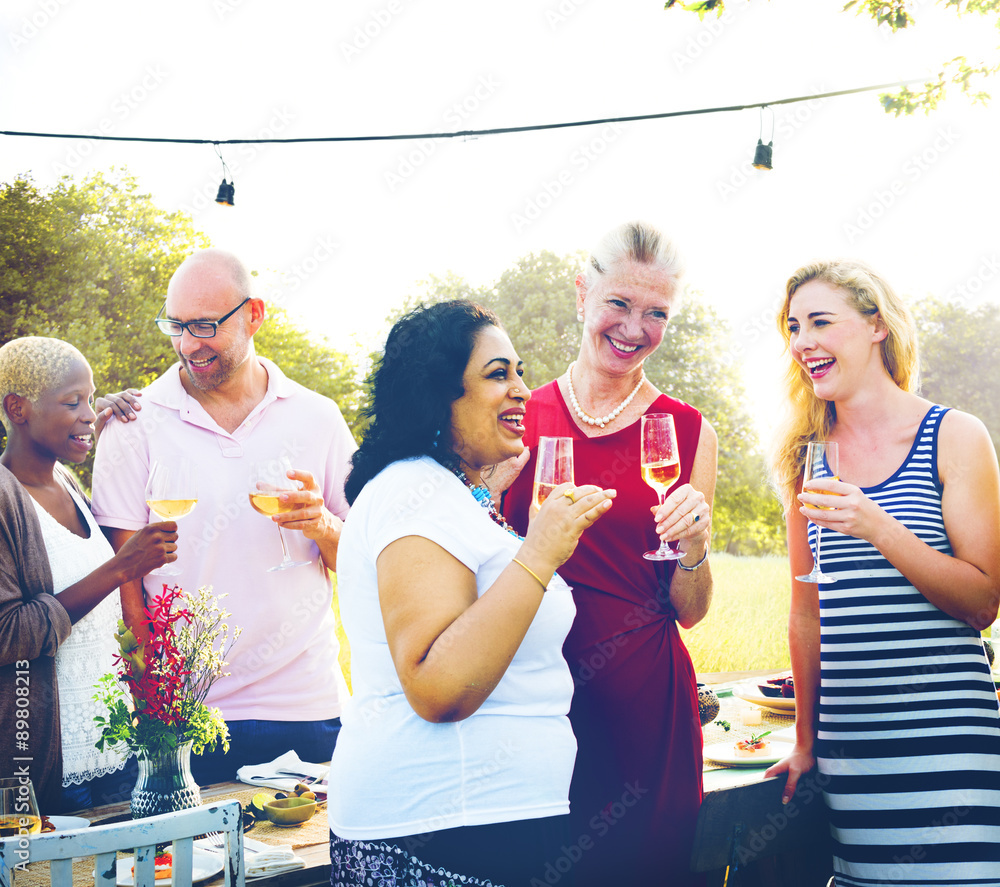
(165, 783)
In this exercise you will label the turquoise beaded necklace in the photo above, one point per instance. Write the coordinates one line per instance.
(481, 493)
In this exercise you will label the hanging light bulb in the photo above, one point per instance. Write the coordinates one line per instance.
(227, 190)
(762, 154)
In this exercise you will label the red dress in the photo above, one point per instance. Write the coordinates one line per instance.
(637, 783)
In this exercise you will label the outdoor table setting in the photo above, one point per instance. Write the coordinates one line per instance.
(277, 853)
(742, 823)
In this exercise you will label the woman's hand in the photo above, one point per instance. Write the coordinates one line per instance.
(684, 517)
(835, 505)
(151, 547)
(506, 473)
(555, 529)
(795, 765)
(123, 404)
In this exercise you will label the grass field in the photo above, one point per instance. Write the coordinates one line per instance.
(746, 628)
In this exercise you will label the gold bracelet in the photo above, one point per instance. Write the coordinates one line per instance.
(533, 573)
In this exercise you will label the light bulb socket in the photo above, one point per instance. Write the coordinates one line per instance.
(227, 193)
(762, 156)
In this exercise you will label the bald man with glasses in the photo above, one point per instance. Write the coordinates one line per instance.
(222, 407)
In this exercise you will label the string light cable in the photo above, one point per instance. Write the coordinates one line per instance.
(465, 134)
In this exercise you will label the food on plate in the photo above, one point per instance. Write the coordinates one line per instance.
(753, 745)
(164, 866)
(776, 687)
(47, 825)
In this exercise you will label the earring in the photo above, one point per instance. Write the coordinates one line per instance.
(579, 317)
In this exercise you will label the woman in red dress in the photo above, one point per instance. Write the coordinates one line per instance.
(637, 782)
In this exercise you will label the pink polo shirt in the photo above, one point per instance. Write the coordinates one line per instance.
(284, 665)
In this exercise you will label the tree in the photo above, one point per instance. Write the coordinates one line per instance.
(899, 15)
(535, 300)
(958, 348)
(89, 262)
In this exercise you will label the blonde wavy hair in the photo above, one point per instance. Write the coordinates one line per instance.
(809, 417)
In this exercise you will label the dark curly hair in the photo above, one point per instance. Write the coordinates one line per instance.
(413, 385)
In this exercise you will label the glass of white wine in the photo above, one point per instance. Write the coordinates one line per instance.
(18, 808)
(268, 480)
(553, 466)
(171, 493)
(822, 460)
(661, 466)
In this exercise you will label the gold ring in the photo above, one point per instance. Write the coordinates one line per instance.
(569, 495)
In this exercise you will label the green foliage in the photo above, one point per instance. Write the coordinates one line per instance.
(958, 348)
(536, 301)
(702, 7)
(89, 262)
(310, 362)
(955, 73)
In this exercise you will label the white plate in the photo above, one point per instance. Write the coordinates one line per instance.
(64, 823)
(725, 753)
(751, 693)
(206, 865)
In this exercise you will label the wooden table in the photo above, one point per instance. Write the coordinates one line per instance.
(776, 845)
(311, 842)
(742, 819)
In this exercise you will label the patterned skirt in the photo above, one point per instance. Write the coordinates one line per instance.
(377, 864)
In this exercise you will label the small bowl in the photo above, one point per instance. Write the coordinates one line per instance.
(289, 811)
(772, 690)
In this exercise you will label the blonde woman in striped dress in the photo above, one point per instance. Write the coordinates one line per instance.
(895, 700)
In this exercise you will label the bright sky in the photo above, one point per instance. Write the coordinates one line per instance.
(349, 229)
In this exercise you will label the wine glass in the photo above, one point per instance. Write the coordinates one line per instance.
(18, 808)
(553, 466)
(267, 481)
(171, 493)
(661, 466)
(822, 460)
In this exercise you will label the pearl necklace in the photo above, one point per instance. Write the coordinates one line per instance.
(610, 417)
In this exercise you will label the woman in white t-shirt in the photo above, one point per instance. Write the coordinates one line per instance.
(455, 755)
(47, 397)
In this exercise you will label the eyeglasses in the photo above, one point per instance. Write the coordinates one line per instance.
(200, 329)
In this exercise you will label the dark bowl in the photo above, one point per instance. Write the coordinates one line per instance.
(772, 690)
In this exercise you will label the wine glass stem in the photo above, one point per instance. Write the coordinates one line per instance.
(664, 545)
(819, 539)
(284, 550)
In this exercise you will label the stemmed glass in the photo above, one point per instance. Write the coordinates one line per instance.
(822, 460)
(661, 466)
(267, 481)
(553, 466)
(171, 493)
(18, 808)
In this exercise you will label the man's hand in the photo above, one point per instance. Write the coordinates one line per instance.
(310, 516)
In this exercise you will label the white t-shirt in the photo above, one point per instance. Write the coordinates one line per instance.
(394, 774)
(284, 665)
(88, 653)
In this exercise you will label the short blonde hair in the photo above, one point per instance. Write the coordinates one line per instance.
(32, 365)
(809, 417)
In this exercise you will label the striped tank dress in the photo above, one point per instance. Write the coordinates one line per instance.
(908, 748)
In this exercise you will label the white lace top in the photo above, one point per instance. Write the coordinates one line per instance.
(87, 654)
